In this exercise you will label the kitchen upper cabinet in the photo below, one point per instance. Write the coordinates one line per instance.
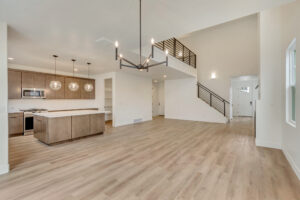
(52, 94)
(14, 84)
(33, 80)
(70, 94)
(84, 94)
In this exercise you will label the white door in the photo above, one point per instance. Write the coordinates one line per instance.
(242, 98)
(155, 101)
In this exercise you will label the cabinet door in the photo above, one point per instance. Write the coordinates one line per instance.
(70, 94)
(80, 126)
(14, 84)
(39, 80)
(97, 123)
(15, 125)
(85, 94)
(52, 94)
(28, 80)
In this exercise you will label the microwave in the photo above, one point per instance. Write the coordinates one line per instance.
(33, 93)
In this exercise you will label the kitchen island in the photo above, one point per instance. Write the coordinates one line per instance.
(54, 127)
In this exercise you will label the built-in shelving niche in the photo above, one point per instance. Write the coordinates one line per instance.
(108, 98)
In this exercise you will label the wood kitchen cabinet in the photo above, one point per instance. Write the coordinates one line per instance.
(80, 126)
(33, 80)
(70, 94)
(15, 123)
(97, 123)
(84, 94)
(52, 94)
(14, 84)
(52, 130)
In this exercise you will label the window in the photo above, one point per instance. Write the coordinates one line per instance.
(291, 84)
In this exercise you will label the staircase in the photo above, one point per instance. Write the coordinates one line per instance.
(213, 100)
(185, 55)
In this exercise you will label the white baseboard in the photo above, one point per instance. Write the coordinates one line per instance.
(4, 169)
(292, 162)
(272, 145)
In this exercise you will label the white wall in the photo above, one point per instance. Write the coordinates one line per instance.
(291, 135)
(181, 102)
(133, 98)
(4, 166)
(278, 27)
(229, 50)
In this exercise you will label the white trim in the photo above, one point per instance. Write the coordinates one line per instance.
(292, 162)
(4, 169)
(266, 144)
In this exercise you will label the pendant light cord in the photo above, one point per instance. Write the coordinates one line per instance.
(140, 32)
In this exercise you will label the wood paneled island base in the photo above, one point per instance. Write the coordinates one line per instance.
(51, 128)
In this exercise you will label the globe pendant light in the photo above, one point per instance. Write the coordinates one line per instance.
(73, 86)
(55, 84)
(88, 86)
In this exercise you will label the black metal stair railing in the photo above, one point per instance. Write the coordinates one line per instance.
(213, 100)
(179, 51)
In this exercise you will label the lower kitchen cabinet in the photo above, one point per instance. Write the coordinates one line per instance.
(80, 126)
(97, 123)
(15, 123)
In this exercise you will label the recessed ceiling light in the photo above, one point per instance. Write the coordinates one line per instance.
(10, 58)
(165, 76)
(141, 70)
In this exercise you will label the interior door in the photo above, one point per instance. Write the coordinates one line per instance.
(242, 98)
(155, 101)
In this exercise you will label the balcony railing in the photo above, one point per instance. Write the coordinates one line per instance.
(179, 51)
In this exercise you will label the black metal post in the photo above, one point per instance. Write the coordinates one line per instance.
(224, 108)
(140, 32)
(210, 99)
(116, 53)
(189, 57)
(174, 48)
(152, 51)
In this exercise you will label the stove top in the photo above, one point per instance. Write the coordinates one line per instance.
(34, 110)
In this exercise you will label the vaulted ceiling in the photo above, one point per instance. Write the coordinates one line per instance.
(85, 29)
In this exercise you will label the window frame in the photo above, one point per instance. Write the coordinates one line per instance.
(291, 78)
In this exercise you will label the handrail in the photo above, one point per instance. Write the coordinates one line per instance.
(178, 50)
(212, 94)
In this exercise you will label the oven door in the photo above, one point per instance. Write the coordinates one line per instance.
(28, 123)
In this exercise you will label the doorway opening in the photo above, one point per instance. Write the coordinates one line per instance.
(243, 96)
(108, 102)
(158, 98)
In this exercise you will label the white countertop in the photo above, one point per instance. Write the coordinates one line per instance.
(70, 113)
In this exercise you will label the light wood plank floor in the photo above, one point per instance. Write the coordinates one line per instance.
(161, 159)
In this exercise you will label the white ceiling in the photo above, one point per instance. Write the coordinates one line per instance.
(83, 29)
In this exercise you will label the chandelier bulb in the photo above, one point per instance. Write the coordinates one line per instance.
(167, 52)
(152, 41)
(116, 44)
(121, 56)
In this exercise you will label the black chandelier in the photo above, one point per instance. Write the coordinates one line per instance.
(141, 66)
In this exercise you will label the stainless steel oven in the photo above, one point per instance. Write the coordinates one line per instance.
(28, 123)
(29, 119)
(33, 93)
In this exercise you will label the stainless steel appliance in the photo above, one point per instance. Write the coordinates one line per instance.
(29, 120)
(33, 93)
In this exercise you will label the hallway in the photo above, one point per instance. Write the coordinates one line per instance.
(159, 159)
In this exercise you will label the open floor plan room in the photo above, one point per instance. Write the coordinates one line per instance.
(149, 100)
